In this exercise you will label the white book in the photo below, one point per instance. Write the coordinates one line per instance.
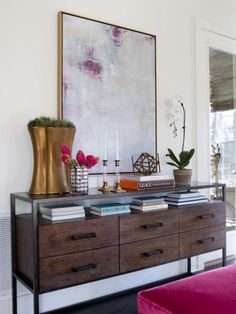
(148, 200)
(184, 194)
(54, 210)
(150, 207)
(153, 177)
(110, 213)
(63, 217)
(188, 203)
(185, 200)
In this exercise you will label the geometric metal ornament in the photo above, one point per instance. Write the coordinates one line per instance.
(146, 164)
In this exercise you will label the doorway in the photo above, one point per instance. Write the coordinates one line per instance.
(216, 114)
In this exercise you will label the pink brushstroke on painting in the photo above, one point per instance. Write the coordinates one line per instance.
(92, 68)
(117, 36)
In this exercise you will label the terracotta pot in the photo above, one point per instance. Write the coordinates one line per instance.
(50, 176)
(182, 177)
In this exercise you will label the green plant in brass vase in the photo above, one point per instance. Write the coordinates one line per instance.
(47, 136)
(181, 174)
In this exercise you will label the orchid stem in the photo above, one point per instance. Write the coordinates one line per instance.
(182, 105)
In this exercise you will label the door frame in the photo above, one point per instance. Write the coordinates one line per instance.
(222, 38)
(215, 36)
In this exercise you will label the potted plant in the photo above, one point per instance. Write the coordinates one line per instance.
(181, 174)
(78, 169)
(47, 136)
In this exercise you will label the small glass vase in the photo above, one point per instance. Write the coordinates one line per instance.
(79, 180)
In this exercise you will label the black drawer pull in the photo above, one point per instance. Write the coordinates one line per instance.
(206, 216)
(207, 240)
(83, 236)
(156, 252)
(150, 226)
(85, 267)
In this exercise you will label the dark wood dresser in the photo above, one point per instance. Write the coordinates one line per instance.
(47, 256)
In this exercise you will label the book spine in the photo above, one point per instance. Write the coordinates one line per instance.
(132, 185)
(146, 203)
(145, 179)
(150, 207)
(110, 213)
(143, 185)
(110, 209)
(58, 211)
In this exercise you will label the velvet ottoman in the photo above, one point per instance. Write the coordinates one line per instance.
(212, 292)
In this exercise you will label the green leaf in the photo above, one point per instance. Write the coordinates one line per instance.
(172, 156)
(190, 153)
(172, 164)
(184, 158)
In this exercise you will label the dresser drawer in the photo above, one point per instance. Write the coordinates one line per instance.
(148, 253)
(67, 270)
(143, 226)
(202, 241)
(200, 216)
(77, 236)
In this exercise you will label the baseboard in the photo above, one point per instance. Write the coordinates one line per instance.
(218, 261)
(24, 299)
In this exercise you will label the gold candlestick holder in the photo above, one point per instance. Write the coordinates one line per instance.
(105, 187)
(118, 188)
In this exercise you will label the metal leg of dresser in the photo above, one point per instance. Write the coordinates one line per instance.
(189, 268)
(14, 295)
(36, 302)
(224, 256)
(13, 254)
(35, 259)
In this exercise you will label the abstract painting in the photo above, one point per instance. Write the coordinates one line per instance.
(107, 85)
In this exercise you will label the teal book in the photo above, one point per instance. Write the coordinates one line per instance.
(110, 207)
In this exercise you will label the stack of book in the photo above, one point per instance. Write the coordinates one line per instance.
(109, 209)
(148, 203)
(185, 198)
(62, 212)
(157, 181)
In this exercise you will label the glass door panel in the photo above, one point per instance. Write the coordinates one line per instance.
(222, 79)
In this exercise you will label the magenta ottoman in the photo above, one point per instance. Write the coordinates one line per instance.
(212, 292)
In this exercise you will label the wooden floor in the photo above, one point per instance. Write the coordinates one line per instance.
(120, 305)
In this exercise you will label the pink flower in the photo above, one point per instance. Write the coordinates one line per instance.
(80, 157)
(91, 161)
(65, 150)
(66, 159)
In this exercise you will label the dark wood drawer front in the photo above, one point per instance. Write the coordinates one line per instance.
(77, 236)
(201, 216)
(148, 253)
(72, 269)
(143, 226)
(201, 241)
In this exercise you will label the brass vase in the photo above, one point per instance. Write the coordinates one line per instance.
(50, 176)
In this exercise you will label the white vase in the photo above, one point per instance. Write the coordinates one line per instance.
(79, 180)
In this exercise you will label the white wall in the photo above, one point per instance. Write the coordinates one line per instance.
(28, 68)
(28, 63)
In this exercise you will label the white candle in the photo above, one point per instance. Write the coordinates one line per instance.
(105, 145)
(117, 145)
